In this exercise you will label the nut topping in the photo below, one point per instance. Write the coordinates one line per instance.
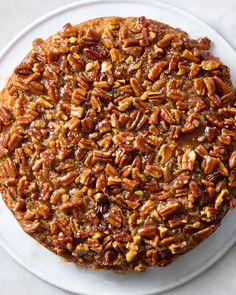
(118, 143)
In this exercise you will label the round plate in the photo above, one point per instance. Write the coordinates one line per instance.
(48, 266)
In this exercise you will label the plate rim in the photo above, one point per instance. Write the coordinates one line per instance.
(8, 248)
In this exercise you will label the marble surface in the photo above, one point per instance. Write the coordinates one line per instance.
(219, 279)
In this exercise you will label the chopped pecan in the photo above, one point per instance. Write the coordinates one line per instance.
(203, 233)
(141, 144)
(15, 141)
(20, 206)
(178, 248)
(220, 198)
(133, 200)
(187, 54)
(232, 160)
(169, 209)
(166, 151)
(188, 160)
(166, 40)
(176, 94)
(194, 69)
(44, 210)
(110, 170)
(209, 164)
(211, 64)
(146, 208)
(107, 39)
(94, 53)
(114, 218)
(148, 231)
(116, 55)
(131, 254)
(195, 189)
(156, 70)
(221, 86)
(103, 157)
(30, 227)
(9, 168)
(22, 185)
(137, 88)
(5, 116)
(166, 116)
(210, 133)
(210, 85)
(67, 179)
(84, 177)
(199, 86)
(153, 170)
(70, 204)
(201, 151)
(154, 117)
(135, 51)
(161, 196)
(128, 184)
(222, 169)
(98, 92)
(181, 180)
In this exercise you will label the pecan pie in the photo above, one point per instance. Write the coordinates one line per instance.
(117, 143)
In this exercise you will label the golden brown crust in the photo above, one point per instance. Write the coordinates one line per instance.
(117, 146)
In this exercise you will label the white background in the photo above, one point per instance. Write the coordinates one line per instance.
(219, 279)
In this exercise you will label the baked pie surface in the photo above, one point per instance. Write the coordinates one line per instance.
(117, 144)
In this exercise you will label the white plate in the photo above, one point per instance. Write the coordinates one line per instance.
(48, 266)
